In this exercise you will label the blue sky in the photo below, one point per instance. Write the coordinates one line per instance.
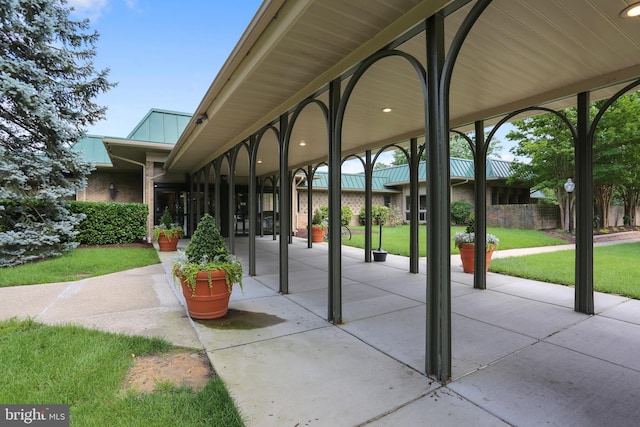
(162, 53)
(165, 53)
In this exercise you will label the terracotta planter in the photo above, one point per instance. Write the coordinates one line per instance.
(317, 233)
(467, 255)
(167, 245)
(207, 302)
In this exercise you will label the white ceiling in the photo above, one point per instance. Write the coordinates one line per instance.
(520, 53)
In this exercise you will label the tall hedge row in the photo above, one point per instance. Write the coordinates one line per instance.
(111, 223)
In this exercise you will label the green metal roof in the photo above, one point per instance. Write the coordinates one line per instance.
(93, 150)
(160, 126)
(398, 175)
(460, 168)
(350, 181)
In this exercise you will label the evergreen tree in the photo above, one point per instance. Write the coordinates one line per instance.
(47, 83)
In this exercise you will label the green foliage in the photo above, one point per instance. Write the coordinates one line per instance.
(318, 218)
(167, 226)
(85, 369)
(615, 268)
(461, 211)
(207, 243)
(166, 221)
(321, 215)
(397, 238)
(380, 214)
(111, 223)
(207, 251)
(78, 264)
(546, 143)
(346, 215)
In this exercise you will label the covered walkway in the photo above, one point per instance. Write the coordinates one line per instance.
(521, 354)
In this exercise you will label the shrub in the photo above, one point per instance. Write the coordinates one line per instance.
(380, 215)
(377, 212)
(207, 243)
(346, 215)
(461, 211)
(111, 223)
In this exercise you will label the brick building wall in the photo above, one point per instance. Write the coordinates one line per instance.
(128, 187)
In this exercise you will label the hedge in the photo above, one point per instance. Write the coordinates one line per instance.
(111, 223)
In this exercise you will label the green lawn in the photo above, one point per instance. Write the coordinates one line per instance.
(86, 370)
(395, 240)
(78, 264)
(614, 268)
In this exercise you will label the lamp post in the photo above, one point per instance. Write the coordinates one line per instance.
(569, 186)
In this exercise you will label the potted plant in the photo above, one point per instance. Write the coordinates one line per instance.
(167, 233)
(207, 272)
(317, 226)
(465, 242)
(380, 215)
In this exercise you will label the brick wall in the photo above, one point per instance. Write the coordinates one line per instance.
(128, 187)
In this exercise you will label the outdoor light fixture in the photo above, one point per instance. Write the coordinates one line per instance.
(387, 110)
(631, 11)
(112, 191)
(202, 118)
(569, 186)
(302, 144)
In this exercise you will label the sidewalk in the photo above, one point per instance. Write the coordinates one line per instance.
(521, 355)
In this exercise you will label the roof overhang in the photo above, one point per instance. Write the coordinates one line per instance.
(518, 54)
(132, 155)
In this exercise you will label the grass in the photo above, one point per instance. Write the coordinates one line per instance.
(78, 264)
(86, 370)
(614, 268)
(395, 240)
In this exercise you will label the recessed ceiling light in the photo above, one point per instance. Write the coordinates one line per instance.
(302, 144)
(259, 161)
(631, 11)
(387, 110)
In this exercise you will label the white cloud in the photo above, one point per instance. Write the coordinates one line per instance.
(91, 9)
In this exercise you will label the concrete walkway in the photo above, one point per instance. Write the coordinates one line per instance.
(521, 355)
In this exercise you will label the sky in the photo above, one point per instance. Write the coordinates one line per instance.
(165, 54)
(162, 53)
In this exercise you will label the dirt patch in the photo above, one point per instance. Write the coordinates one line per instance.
(181, 368)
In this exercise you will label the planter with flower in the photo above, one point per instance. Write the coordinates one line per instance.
(465, 242)
(167, 233)
(207, 272)
(317, 226)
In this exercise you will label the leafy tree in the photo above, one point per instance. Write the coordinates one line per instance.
(617, 156)
(545, 150)
(47, 83)
(546, 144)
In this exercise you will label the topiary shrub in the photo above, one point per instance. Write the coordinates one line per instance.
(207, 243)
(207, 251)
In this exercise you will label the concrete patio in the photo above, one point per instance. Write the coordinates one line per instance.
(521, 354)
